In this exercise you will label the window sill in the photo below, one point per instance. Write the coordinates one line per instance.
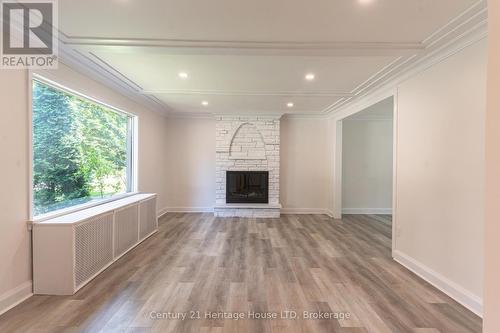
(75, 209)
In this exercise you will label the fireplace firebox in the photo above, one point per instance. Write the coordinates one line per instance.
(247, 186)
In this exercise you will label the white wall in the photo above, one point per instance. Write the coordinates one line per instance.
(15, 240)
(491, 323)
(15, 252)
(367, 166)
(305, 165)
(191, 164)
(440, 173)
(335, 170)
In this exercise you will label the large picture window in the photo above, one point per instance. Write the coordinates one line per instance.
(82, 150)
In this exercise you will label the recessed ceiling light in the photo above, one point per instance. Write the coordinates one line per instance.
(365, 2)
(310, 76)
(289, 104)
(204, 103)
(183, 75)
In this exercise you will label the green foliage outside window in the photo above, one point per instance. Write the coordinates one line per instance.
(79, 150)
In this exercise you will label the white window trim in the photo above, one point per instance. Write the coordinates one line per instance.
(133, 151)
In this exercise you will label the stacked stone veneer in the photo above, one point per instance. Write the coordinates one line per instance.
(247, 144)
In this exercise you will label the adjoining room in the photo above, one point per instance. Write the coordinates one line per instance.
(367, 160)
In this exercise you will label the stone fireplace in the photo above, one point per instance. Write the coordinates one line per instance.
(247, 145)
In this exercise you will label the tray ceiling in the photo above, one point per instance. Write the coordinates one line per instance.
(253, 56)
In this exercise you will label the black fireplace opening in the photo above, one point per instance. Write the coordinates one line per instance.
(247, 186)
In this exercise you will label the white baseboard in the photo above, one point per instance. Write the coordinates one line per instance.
(304, 211)
(162, 212)
(189, 209)
(211, 209)
(15, 296)
(367, 211)
(450, 288)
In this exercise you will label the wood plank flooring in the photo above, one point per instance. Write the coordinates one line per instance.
(245, 267)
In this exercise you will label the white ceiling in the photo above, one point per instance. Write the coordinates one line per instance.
(260, 20)
(251, 56)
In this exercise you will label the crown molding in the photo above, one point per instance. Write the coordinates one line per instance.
(193, 43)
(389, 88)
(191, 115)
(99, 73)
(203, 115)
(466, 29)
(92, 57)
(305, 116)
(477, 12)
(315, 93)
(222, 47)
(392, 67)
(369, 118)
(243, 116)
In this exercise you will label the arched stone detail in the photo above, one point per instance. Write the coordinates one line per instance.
(247, 142)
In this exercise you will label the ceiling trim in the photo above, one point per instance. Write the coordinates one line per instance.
(199, 115)
(76, 51)
(221, 47)
(368, 118)
(305, 116)
(138, 89)
(315, 93)
(390, 88)
(462, 31)
(99, 73)
(106, 64)
(191, 115)
(132, 89)
(246, 116)
(189, 43)
(478, 10)
(372, 80)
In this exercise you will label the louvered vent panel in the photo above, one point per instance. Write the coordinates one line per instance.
(126, 228)
(148, 221)
(93, 247)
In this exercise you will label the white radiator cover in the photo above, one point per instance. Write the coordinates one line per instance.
(126, 229)
(149, 221)
(93, 247)
(70, 250)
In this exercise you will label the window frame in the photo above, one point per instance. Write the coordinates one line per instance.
(132, 150)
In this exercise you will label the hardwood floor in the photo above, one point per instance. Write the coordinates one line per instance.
(229, 265)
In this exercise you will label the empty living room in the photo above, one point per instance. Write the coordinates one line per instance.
(250, 166)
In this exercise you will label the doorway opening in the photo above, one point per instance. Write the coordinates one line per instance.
(365, 163)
